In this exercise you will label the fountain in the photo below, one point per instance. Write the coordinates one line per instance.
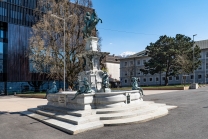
(94, 105)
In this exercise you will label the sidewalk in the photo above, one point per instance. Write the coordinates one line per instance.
(152, 92)
(16, 104)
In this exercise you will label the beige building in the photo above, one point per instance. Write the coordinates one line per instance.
(130, 67)
(113, 65)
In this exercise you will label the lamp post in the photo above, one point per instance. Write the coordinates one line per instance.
(64, 19)
(205, 68)
(193, 59)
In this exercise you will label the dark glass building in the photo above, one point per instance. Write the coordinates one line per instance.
(16, 19)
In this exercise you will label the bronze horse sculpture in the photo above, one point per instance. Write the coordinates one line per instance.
(90, 22)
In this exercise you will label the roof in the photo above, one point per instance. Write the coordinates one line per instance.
(202, 44)
(139, 54)
(112, 59)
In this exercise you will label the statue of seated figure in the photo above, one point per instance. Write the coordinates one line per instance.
(53, 89)
(105, 81)
(136, 87)
(86, 88)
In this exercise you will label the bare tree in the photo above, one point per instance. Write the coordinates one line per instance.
(46, 50)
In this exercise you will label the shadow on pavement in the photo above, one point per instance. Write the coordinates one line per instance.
(3, 112)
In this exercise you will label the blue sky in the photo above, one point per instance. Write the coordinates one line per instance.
(140, 22)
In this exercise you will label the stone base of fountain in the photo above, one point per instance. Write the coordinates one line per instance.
(95, 110)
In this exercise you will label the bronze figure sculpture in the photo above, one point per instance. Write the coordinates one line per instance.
(135, 85)
(86, 88)
(90, 22)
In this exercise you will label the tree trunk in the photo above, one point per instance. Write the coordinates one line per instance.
(166, 81)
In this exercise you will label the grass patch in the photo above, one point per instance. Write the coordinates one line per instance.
(34, 95)
(32, 92)
(171, 87)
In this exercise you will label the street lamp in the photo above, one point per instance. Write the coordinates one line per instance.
(64, 19)
(193, 59)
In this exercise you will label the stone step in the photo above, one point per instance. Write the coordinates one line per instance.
(79, 113)
(123, 115)
(64, 126)
(137, 119)
(170, 107)
(66, 118)
(129, 107)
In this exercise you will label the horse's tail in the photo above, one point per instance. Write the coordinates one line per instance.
(101, 21)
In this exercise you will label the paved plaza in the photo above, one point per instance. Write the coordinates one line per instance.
(188, 121)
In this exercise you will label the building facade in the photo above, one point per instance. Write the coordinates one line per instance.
(16, 20)
(130, 67)
(113, 65)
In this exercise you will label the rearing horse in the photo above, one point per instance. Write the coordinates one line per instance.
(92, 23)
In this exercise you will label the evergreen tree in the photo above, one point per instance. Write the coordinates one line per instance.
(167, 53)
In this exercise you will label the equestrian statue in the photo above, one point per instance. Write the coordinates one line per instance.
(90, 22)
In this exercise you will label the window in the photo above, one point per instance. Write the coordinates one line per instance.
(138, 72)
(144, 80)
(125, 81)
(131, 63)
(138, 62)
(184, 77)
(125, 73)
(125, 63)
(177, 78)
(1, 49)
(206, 54)
(170, 78)
(206, 66)
(200, 68)
(131, 73)
(138, 79)
(163, 78)
(192, 76)
(199, 76)
(150, 79)
(206, 75)
(157, 79)
(144, 61)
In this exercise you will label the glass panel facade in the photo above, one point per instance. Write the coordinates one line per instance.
(3, 46)
(1, 57)
(18, 12)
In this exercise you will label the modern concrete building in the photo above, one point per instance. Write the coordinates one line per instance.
(130, 67)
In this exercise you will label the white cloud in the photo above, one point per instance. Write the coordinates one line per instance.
(127, 53)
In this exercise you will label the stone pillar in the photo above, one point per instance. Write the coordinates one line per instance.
(91, 44)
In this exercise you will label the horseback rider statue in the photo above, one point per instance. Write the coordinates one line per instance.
(90, 22)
